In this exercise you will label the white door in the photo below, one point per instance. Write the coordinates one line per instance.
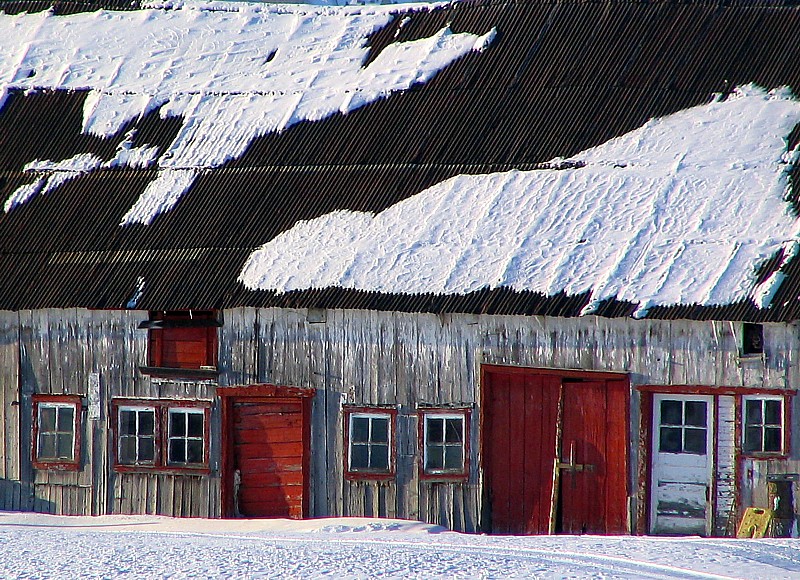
(682, 464)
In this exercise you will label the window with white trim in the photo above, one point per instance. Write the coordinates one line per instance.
(161, 435)
(444, 443)
(136, 441)
(57, 431)
(763, 430)
(186, 436)
(370, 441)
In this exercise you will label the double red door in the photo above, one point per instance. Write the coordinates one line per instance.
(555, 450)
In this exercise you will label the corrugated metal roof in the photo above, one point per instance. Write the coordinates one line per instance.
(559, 78)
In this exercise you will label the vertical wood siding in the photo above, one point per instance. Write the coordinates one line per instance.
(54, 352)
(368, 358)
(365, 358)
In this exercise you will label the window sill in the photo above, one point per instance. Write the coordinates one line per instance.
(368, 476)
(166, 470)
(170, 372)
(765, 455)
(444, 477)
(55, 466)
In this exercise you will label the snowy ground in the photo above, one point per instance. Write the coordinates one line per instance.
(41, 546)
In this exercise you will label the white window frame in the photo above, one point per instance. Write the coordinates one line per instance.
(444, 416)
(186, 438)
(763, 425)
(56, 405)
(371, 416)
(138, 409)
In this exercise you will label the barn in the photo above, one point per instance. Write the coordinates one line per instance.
(508, 267)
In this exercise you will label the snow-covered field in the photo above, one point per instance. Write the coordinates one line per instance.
(42, 546)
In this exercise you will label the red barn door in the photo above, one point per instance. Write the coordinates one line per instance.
(267, 453)
(555, 451)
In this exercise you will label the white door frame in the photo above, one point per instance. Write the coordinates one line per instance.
(682, 477)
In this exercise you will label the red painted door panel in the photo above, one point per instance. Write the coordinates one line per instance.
(519, 449)
(268, 452)
(583, 445)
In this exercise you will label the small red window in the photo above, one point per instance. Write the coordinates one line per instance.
(183, 339)
(444, 444)
(57, 432)
(369, 442)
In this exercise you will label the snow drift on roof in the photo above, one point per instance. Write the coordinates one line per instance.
(233, 73)
(680, 211)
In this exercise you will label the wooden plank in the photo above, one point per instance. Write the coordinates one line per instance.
(263, 417)
(618, 443)
(9, 417)
(498, 439)
(257, 479)
(319, 379)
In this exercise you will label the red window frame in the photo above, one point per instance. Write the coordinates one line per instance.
(183, 339)
(370, 474)
(58, 464)
(786, 413)
(161, 409)
(443, 474)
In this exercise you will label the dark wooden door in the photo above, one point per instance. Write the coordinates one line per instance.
(519, 450)
(593, 470)
(554, 452)
(269, 457)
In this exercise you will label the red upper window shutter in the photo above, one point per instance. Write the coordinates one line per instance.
(184, 340)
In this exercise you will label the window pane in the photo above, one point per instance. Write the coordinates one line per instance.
(147, 449)
(127, 450)
(772, 412)
(66, 419)
(147, 422)
(64, 443)
(452, 458)
(127, 422)
(752, 412)
(359, 456)
(195, 424)
(380, 430)
(380, 457)
(177, 423)
(194, 451)
(47, 419)
(177, 451)
(772, 439)
(671, 413)
(752, 439)
(695, 441)
(359, 432)
(435, 430)
(47, 445)
(435, 459)
(454, 430)
(696, 413)
(670, 440)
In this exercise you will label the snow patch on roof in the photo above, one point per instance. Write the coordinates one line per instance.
(56, 173)
(680, 211)
(232, 73)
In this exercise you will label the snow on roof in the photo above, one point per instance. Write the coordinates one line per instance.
(232, 72)
(682, 210)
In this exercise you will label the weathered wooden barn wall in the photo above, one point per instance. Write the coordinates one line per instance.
(412, 360)
(12, 494)
(363, 358)
(54, 352)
